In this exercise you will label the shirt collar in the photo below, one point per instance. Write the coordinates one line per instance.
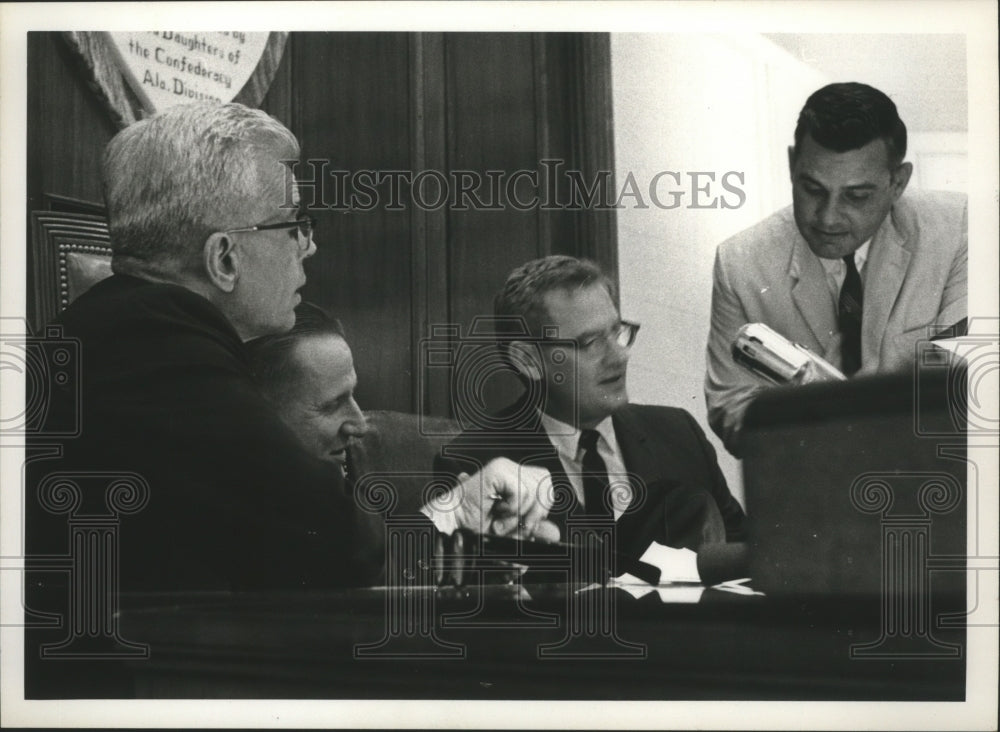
(566, 438)
(860, 257)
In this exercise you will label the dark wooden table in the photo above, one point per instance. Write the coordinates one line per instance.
(512, 642)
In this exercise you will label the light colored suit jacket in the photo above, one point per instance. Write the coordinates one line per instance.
(915, 280)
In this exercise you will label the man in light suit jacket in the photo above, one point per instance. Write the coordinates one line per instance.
(906, 255)
(567, 341)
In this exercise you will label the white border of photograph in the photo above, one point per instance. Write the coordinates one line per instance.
(977, 20)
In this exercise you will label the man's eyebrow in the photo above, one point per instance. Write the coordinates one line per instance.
(854, 187)
(590, 333)
(809, 179)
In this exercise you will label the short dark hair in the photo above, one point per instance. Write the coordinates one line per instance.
(849, 115)
(521, 301)
(271, 355)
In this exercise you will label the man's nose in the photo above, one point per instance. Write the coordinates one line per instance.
(310, 248)
(829, 212)
(617, 354)
(355, 425)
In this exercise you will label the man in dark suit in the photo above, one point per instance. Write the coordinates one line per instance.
(648, 468)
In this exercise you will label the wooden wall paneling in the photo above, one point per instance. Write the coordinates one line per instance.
(592, 129)
(554, 74)
(575, 71)
(69, 126)
(352, 109)
(544, 110)
(491, 126)
(429, 255)
(65, 138)
(573, 85)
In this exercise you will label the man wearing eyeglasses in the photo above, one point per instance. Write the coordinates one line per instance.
(208, 251)
(648, 468)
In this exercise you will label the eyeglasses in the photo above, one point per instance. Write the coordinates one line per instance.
(306, 226)
(623, 333)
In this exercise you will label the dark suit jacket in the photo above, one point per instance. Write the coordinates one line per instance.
(234, 500)
(684, 499)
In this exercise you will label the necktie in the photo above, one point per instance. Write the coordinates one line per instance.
(849, 317)
(595, 476)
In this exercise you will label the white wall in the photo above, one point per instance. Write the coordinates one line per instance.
(689, 103)
(940, 160)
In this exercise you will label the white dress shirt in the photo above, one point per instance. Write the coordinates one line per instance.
(566, 441)
(674, 564)
(836, 270)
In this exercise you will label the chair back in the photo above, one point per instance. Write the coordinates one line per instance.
(401, 448)
(70, 252)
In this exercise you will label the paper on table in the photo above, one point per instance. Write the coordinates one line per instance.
(738, 587)
(668, 592)
(679, 580)
(675, 565)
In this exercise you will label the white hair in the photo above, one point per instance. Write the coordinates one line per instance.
(172, 180)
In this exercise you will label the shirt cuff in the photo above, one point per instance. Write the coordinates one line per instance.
(444, 521)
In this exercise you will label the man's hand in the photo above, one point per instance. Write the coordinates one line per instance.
(817, 370)
(811, 374)
(505, 498)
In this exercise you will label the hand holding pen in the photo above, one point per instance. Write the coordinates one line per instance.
(503, 499)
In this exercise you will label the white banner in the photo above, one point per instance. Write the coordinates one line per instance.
(165, 68)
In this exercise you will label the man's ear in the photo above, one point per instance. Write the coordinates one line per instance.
(527, 359)
(791, 162)
(221, 261)
(900, 179)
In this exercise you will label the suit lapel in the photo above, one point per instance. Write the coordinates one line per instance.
(652, 467)
(812, 294)
(888, 259)
(538, 450)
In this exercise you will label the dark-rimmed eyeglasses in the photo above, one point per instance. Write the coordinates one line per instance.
(623, 333)
(305, 224)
